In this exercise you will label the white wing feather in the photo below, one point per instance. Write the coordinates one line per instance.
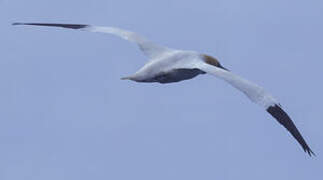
(254, 92)
(149, 48)
(258, 95)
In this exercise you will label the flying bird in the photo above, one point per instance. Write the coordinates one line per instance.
(168, 65)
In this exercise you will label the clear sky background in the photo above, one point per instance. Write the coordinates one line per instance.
(65, 113)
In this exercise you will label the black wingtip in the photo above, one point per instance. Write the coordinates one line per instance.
(282, 117)
(310, 152)
(70, 26)
(16, 23)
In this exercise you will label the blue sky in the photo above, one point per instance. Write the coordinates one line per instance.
(65, 113)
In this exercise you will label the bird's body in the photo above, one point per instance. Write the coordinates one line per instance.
(167, 65)
(173, 66)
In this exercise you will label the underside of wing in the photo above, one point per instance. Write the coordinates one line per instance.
(149, 48)
(258, 95)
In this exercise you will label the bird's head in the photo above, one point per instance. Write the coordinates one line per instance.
(212, 61)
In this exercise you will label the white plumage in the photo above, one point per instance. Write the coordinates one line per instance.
(169, 65)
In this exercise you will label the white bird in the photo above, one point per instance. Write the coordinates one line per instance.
(170, 65)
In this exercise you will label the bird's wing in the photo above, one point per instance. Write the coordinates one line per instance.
(258, 95)
(149, 48)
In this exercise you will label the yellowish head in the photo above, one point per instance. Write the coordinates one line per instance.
(212, 61)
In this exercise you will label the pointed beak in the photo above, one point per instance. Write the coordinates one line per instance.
(220, 66)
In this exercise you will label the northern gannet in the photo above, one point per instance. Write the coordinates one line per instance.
(170, 65)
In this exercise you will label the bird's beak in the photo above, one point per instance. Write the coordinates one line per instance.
(220, 66)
